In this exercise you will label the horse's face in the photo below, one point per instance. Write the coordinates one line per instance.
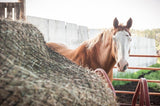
(121, 43)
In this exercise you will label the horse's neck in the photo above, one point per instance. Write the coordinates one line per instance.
(106, 54)
(98, 56)
(78, 55)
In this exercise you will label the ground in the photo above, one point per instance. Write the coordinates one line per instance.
(127, 98)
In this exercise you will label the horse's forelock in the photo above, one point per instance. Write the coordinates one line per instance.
(121, 27)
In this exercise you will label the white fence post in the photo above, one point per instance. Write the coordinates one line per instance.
(57, 31)
(71, 35)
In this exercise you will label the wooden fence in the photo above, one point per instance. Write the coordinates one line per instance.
(13, 10)
(144, 68)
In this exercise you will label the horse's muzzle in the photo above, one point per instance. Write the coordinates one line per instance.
(122, 65)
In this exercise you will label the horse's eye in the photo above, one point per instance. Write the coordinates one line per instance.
(127, 35)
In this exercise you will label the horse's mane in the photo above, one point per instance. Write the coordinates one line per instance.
(104, 37)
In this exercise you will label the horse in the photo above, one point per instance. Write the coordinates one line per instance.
(103, 51)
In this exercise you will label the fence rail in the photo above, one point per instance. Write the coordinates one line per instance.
(144, 55)
(143, 68)
(132, 92)
(13, 10)
(135, 80)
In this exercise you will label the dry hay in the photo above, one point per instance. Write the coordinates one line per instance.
(32, 74)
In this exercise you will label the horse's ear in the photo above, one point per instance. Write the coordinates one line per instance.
(115, 23)
(129, 23)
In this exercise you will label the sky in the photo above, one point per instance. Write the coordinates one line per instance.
(98, 13)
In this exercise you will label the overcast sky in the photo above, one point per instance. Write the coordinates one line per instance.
(98, 13)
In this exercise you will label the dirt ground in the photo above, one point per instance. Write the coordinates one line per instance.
(127, 98)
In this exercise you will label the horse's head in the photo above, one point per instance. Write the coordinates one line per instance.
(121, 44)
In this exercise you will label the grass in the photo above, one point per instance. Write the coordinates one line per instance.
(154, 75)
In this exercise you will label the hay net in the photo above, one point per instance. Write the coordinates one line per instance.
(32, 74)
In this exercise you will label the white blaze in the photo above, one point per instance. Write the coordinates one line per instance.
(122, 39)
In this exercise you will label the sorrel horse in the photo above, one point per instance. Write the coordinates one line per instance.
(103, 51)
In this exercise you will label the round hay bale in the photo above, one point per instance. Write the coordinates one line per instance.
(32, 74)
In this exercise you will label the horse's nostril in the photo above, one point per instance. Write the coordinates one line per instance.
(125, 67)
(127, 64)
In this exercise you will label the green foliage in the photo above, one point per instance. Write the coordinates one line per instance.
(152, 76)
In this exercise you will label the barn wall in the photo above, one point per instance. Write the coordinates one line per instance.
(73, 35)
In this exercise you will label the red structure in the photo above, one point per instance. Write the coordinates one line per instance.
(141, 90)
